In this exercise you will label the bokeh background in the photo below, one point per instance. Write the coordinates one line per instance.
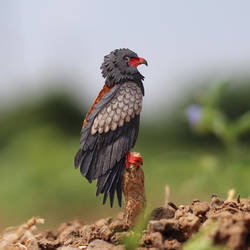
(194, 132)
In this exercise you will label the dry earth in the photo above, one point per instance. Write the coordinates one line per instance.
(168, 228)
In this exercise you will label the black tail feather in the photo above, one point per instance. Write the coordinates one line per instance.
(86, 163)
(92, 170)
(100, 183)
(78, 158)
(111, 182)
(113, 188)
(119, 187)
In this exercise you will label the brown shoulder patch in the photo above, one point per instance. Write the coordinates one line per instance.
(104, 91)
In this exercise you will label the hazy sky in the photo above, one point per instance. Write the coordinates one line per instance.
(180, 40)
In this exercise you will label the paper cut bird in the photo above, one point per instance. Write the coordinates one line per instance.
(111, 126)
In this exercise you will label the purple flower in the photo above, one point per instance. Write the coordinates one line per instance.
(194, 115)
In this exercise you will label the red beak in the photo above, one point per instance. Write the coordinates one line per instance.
(143, 61)
(137, 61)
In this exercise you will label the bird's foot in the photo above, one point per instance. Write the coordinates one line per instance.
(134, 159)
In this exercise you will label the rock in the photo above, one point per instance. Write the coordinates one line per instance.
(200, 208)
(182, 211)
(163, 225)
(153, 240)
(118, 226)
(234, 231)
(89, 233)
(189, 224)
(216, 202)
(171, 225)
(103, 245)
(162, 213)
(47, 244)
(105, 233)
(172, 244)
(156, 226)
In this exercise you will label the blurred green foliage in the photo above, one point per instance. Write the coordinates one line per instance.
(57, 109)
(208, 117)
(38, 140)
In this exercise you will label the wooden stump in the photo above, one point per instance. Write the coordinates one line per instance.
(133, 190)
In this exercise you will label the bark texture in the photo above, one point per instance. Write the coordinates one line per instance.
(134, 192)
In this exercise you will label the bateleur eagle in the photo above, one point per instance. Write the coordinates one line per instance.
(111, 126)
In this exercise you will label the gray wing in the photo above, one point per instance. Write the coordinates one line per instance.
(112, 133)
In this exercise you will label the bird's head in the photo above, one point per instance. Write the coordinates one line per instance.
(121, 66)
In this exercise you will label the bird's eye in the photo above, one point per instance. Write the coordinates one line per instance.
(127, 58)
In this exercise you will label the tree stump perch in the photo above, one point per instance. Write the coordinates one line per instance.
(133, 190)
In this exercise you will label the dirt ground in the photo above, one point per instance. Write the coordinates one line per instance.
(169, 227)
